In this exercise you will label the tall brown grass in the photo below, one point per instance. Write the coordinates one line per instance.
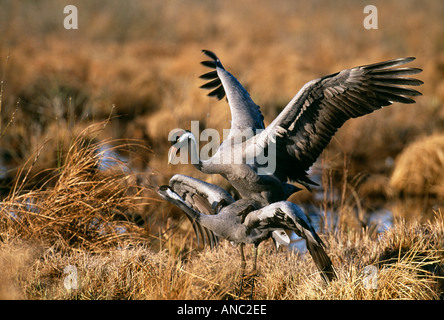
(77, 205)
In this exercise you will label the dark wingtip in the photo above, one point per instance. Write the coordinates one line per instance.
(210, 54)
(219, 93)
(209, 64)
(390, 64)
(215, 60)
(322, 261)
(212, 84)
(209, 75)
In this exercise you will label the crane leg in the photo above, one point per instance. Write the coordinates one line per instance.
(255, 258)
(243, 264)
(254, 273)
(243, 261)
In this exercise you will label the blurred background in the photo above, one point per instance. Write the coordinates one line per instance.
(138, 61)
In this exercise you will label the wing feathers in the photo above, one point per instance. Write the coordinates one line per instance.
(322, 261)
(212, 84)
(396, 72)
(392, 97)
(209, 75)
(388, 63)
(286, 215)
(215, 82)
(211, 54)
(396, 90)
(398, 81)
(327, 103)
(209, 64)
(219, 93)
(245, 114)
(202, 197)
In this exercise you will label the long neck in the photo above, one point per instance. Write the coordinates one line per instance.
(207, 165)
(194, 154)
(194, 217)
(192, 214)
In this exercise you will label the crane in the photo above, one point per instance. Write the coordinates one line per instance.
(244, 221)
(297, 136)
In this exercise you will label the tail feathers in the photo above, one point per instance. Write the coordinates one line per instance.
(322, 261)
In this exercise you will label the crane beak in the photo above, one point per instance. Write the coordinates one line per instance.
(172, 155)
(167, 193)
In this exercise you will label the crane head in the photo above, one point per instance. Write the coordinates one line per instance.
(179, 139)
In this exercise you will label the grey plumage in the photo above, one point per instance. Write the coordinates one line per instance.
(245, 114)
(245, 221)
(303, 129)
(202, 197)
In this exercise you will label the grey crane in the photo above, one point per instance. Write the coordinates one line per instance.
(208, 198)
(299, 134)
(244, 221)
(203, 197)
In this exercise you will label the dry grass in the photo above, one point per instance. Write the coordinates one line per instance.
(409, 259)
(139, 61)
(78, 205)
(418, 169)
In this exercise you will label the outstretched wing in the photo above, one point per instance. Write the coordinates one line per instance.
(245, 114)
(306, 125)
(209, 195)
(203, 197)
(286, 215)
